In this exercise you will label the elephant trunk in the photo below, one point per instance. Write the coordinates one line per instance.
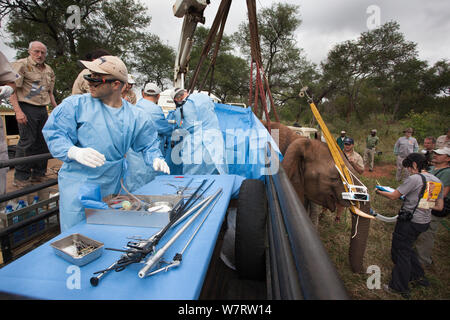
(358, 240)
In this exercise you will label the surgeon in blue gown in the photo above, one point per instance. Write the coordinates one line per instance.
(91, 134)
(138, 173)
(202, 148)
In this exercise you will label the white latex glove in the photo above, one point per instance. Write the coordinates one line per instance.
(5, 91)
(87, 156)
(160, 165)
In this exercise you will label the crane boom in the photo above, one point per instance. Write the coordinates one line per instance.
(192, 13)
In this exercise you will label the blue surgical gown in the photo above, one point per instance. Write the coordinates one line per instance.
(203, 148)
(138, 173)
(84, 121)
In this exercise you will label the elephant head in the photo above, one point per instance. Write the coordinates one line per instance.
(312, 172)
(310, 167)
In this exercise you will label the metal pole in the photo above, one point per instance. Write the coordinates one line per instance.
(16, 161)
(158, 255)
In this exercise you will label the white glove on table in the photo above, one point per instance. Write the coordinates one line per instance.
(5, 91)
(87, 156)
(160, 165)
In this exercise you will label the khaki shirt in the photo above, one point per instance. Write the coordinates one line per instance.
(131, 97)
(35, 85)
(80, 86)
(355, 159)
(7, 74)
(442, 142)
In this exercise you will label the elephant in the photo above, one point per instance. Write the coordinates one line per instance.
(312, 172)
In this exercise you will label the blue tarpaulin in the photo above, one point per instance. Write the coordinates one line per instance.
(245, 141)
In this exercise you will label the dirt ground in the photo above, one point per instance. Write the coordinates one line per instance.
(52, 169)
(382, 170)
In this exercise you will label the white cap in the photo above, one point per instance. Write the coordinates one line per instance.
(152, 89)
(131, 79)
(445, 150)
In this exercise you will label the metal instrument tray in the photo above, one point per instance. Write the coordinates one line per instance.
(143, 218)
(66, 248)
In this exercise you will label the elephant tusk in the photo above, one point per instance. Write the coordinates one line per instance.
(361, 213)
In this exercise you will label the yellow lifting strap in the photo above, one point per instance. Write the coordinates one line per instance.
(334, 149)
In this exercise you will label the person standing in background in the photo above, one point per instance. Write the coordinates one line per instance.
(428, 145)
(402, 148)
(369, 153)
(128, 93)
(444, 140)
(7, 87)
(34, 93)
(340, 140)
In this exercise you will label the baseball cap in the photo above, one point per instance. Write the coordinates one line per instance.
(348, 141)
(373, 130)
(343, 131)
(151, 89)
(110, 65)
(131, 79)
(445, 150)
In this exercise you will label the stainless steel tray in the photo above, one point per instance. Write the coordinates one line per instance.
(155, 219)
(66, 248)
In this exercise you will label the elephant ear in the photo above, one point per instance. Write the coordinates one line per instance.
(293, 163)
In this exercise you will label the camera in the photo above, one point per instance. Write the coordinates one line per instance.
(404, 215)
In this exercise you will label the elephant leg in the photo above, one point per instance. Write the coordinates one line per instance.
(358, 242)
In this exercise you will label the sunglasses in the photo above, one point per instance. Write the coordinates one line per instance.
(98, 81)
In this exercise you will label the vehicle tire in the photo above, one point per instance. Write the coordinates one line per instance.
(250, 230)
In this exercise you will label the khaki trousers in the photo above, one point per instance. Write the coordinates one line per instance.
(369, 157)
(402, 173)
(425, 241)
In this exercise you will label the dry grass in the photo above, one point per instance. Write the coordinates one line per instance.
(336, 238)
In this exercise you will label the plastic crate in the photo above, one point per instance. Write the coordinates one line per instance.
(30, 231)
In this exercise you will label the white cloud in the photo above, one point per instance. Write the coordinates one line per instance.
(325, 23)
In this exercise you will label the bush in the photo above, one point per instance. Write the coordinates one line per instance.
(425, 124)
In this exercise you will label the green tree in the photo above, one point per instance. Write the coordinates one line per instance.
(153, 61)
(284, 63)
(231, 73)
(115, 25)
(376, 53)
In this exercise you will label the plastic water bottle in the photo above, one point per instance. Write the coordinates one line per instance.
(35, 200)
(21, 204)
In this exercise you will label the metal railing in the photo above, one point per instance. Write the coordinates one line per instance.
(33, 224)
(298, 263)
(16, 161)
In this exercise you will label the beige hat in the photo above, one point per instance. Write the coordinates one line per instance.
(445, 150)
(373, 130)
(111, 65)
(151, 89)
